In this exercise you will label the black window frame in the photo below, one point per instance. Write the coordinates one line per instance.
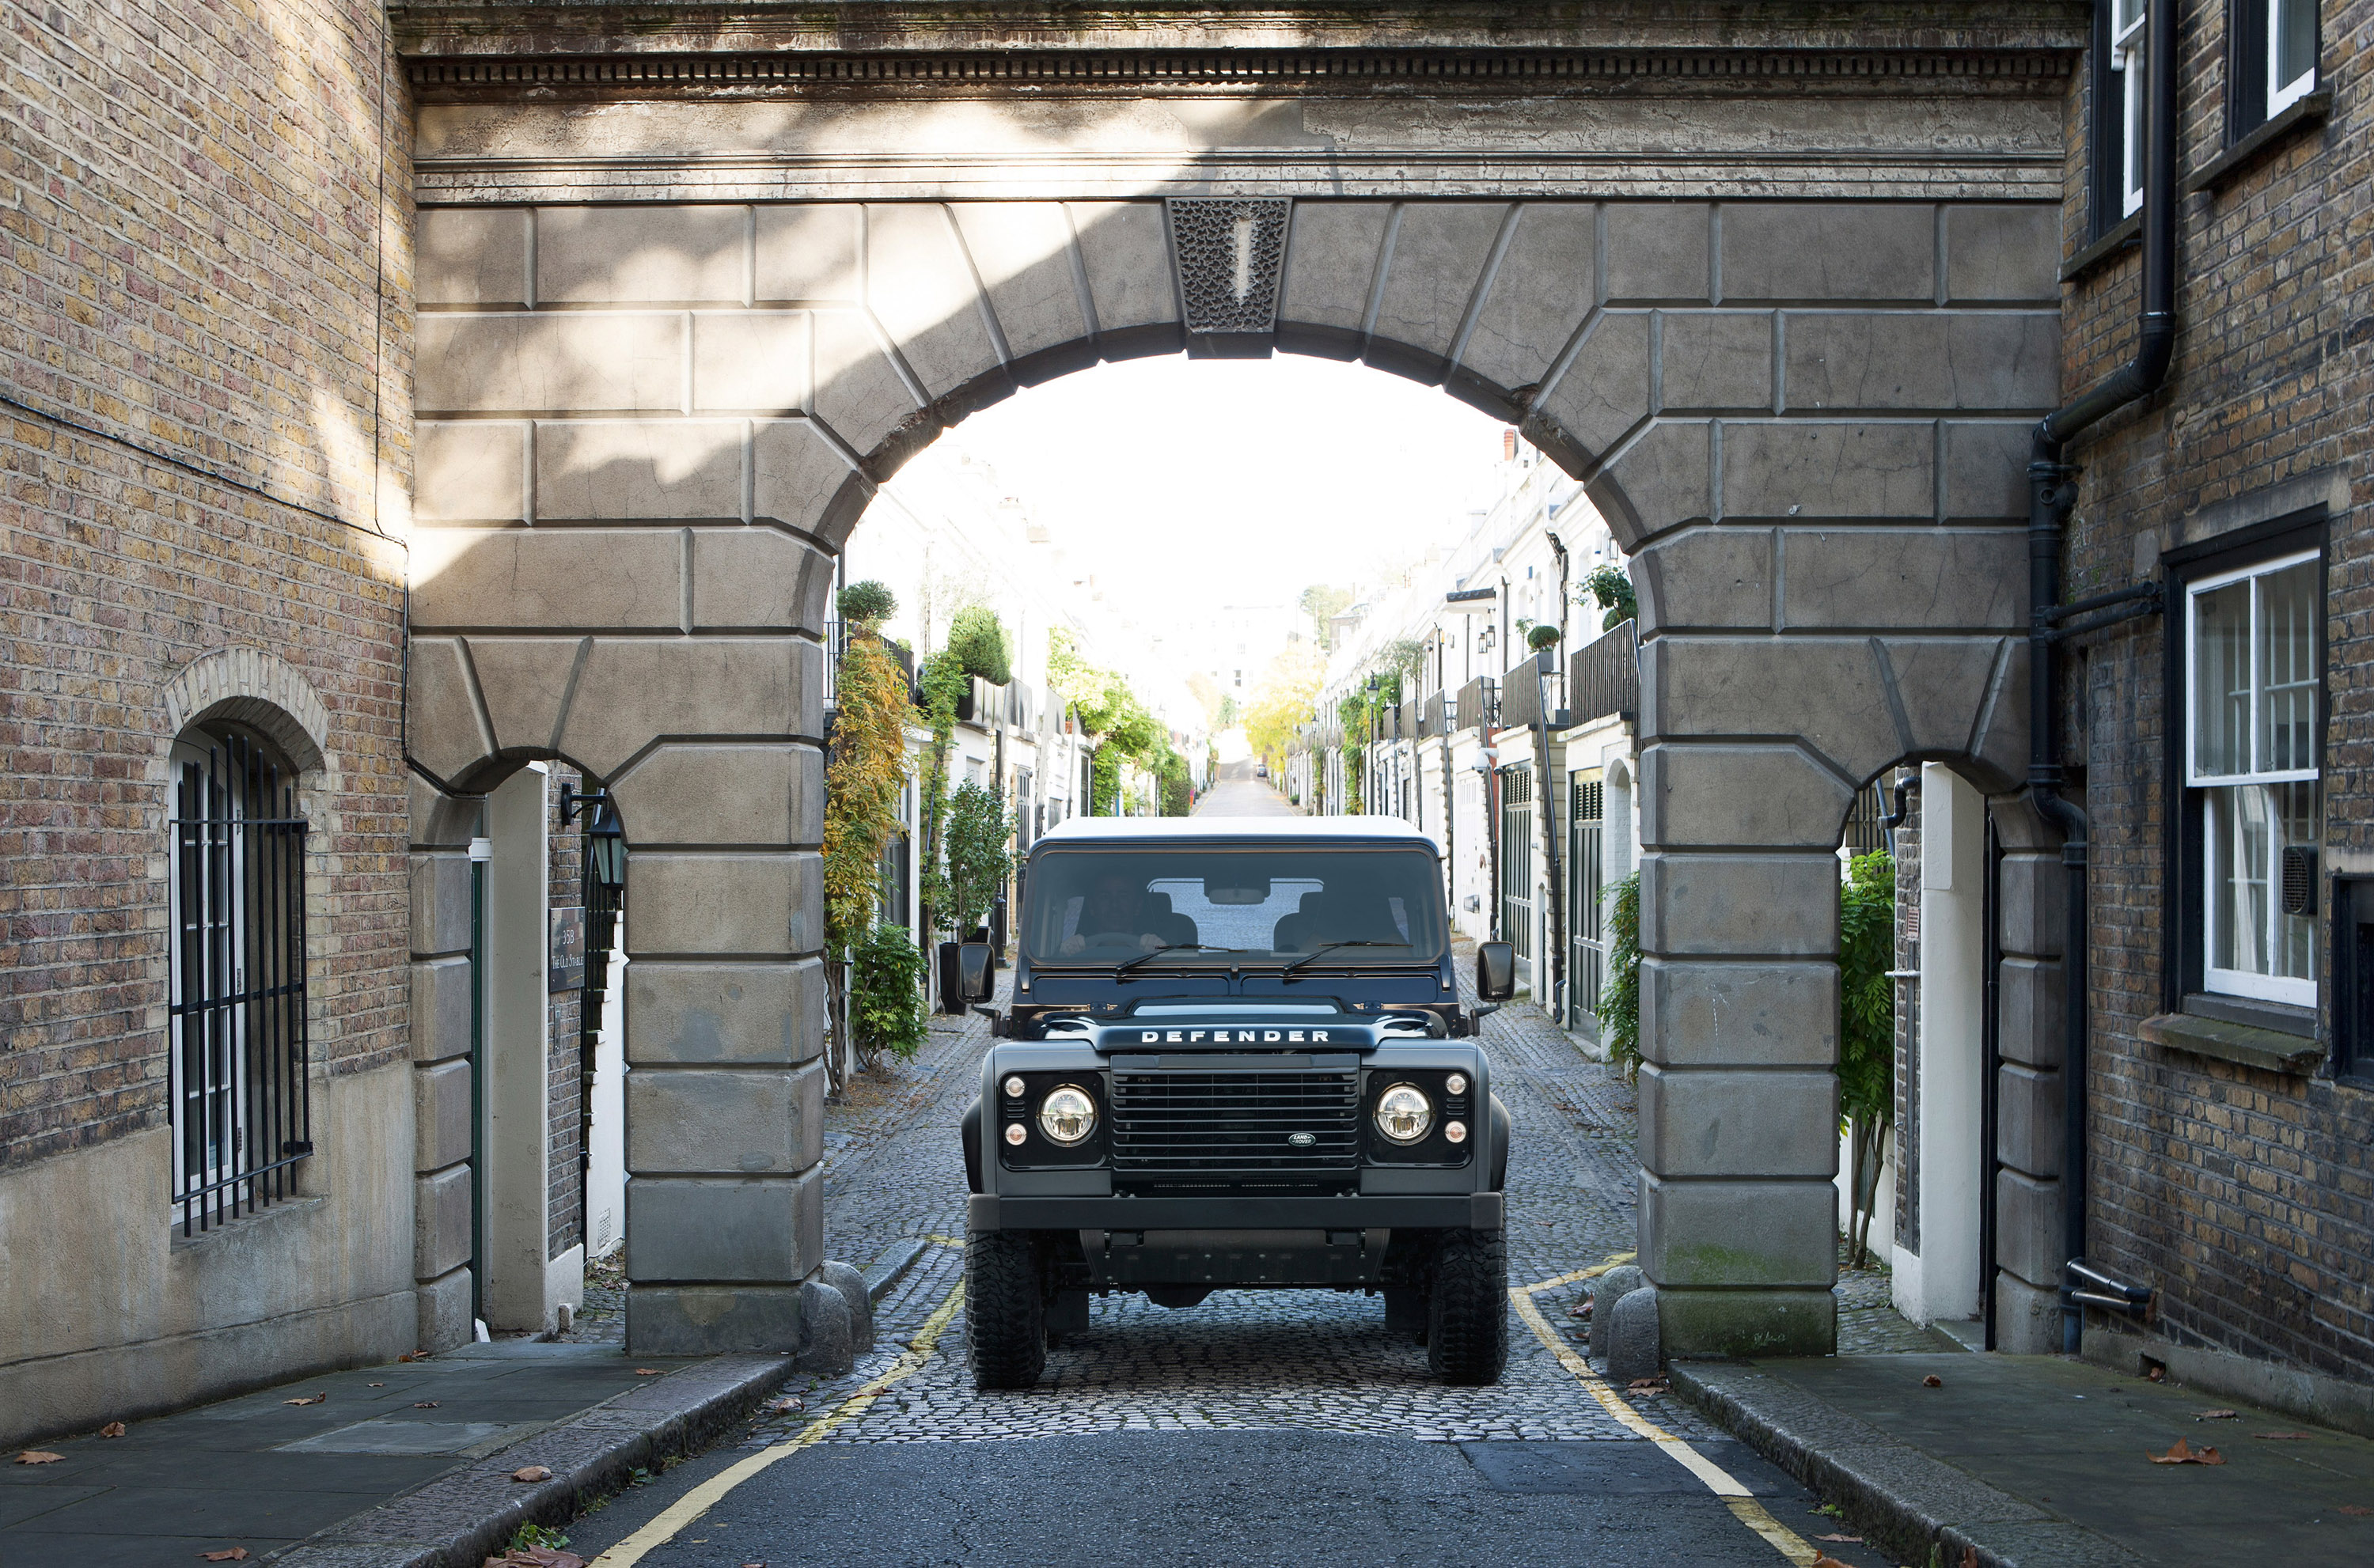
(2105, 129)
(2183, 965)
(2249, 40)
(239, 1070)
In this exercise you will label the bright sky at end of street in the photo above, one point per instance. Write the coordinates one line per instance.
(1237, 481)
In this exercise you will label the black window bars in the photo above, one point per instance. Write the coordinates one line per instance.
(239, 1094)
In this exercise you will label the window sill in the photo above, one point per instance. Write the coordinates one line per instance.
(241, 1224)
(2309, 110)
(2120, 238)
(2244, 1045)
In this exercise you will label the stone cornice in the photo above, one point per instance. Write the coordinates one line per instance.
(1652, 70)
(448, 29)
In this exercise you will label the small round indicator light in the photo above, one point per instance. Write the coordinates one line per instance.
(1014, 1086)
(1015, 1132)
(1455, 1130)
(1455, 1084)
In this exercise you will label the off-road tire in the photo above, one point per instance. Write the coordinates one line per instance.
(1467, 1310)
(1005, 1309)
(1405, 1315)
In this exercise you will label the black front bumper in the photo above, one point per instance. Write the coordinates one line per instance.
(1458, 1210)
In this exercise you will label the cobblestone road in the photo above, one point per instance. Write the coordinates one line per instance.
(1279, 1426)
(1243, 1359)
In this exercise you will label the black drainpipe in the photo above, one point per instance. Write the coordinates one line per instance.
(2052, 494)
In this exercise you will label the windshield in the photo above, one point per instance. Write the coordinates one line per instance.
(1109, 905)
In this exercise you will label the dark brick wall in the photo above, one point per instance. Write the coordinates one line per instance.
(2243, 1195)
(205, 293)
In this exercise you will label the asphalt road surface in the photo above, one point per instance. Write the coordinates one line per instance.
(1261, 1427)
(1236, 793)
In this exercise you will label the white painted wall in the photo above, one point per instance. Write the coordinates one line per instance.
(606, 1176)
(1942, 1281)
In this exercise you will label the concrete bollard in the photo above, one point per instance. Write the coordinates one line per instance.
(825, 1330)
(1633, 1340)
(852, 1286)
(1613, 1286)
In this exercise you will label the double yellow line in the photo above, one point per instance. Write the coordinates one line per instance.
(686, 1510)
(1800, 1551)
(681, 1513)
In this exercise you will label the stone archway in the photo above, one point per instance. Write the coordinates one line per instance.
(647, 426)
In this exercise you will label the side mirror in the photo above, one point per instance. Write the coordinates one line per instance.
(973, 982)
(1496, 971)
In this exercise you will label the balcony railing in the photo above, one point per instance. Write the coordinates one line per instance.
(1603, 676)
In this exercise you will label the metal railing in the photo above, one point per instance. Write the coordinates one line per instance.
(238, 1092)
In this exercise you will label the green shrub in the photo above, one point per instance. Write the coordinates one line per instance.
(978, 639)
(1866, 1029)
(867, 605)
(1612, 586)
(885, 1002)
(980, 831)
(1541, 636)
(1619, 1000)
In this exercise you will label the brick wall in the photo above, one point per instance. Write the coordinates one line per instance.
(2243, 1194)
(203, 314)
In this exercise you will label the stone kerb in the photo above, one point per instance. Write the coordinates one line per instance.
(646, 430)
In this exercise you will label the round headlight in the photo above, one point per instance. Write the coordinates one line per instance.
(1455, 1084)
(1067, 1115)
(1403, 1113)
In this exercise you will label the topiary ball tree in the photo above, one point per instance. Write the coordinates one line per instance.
(867, 605)
(1542, 637)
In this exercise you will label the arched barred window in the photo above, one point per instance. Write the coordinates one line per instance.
(238, 1047)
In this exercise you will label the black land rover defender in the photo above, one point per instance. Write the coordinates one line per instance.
(1236, 1058)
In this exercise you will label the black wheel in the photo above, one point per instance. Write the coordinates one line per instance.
(1005, 1309)
(1467, 1311)
(1405, 1315)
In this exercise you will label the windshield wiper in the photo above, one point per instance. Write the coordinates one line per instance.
(1121, 969)
(1318, 952)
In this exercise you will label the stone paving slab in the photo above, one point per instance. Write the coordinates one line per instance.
(2042, 1462)
(364, 1477)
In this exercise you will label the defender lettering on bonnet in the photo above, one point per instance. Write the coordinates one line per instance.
(1243, 1036)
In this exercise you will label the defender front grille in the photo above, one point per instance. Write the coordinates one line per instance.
(1217, 1131)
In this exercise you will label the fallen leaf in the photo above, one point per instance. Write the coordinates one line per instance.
(2283, 1436)
(532, 1472)
(423, 1404)
(1825, 1561)
(1933, 1381)
(309, 1400)
(788, 1402)
(536, 1557)
(647, 1372)
(2354, 1512)
(2215, 1415)
(112, 1429)
(2157, 1375)
(1851, 1540)
(230, 1554)
(2182, 1454)
(38, 1456)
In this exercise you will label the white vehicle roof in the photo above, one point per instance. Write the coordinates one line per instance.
(1236, 829)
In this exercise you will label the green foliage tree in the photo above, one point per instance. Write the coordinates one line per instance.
(863, 780)
(979, 833)
(1323, 603)
(1541, 636)
(886, 1011)
(943, 684)
(1866, 1030)
(1619, 999)
(865, 606)
(1233, 713)
(1612, 586)
(977, 639)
